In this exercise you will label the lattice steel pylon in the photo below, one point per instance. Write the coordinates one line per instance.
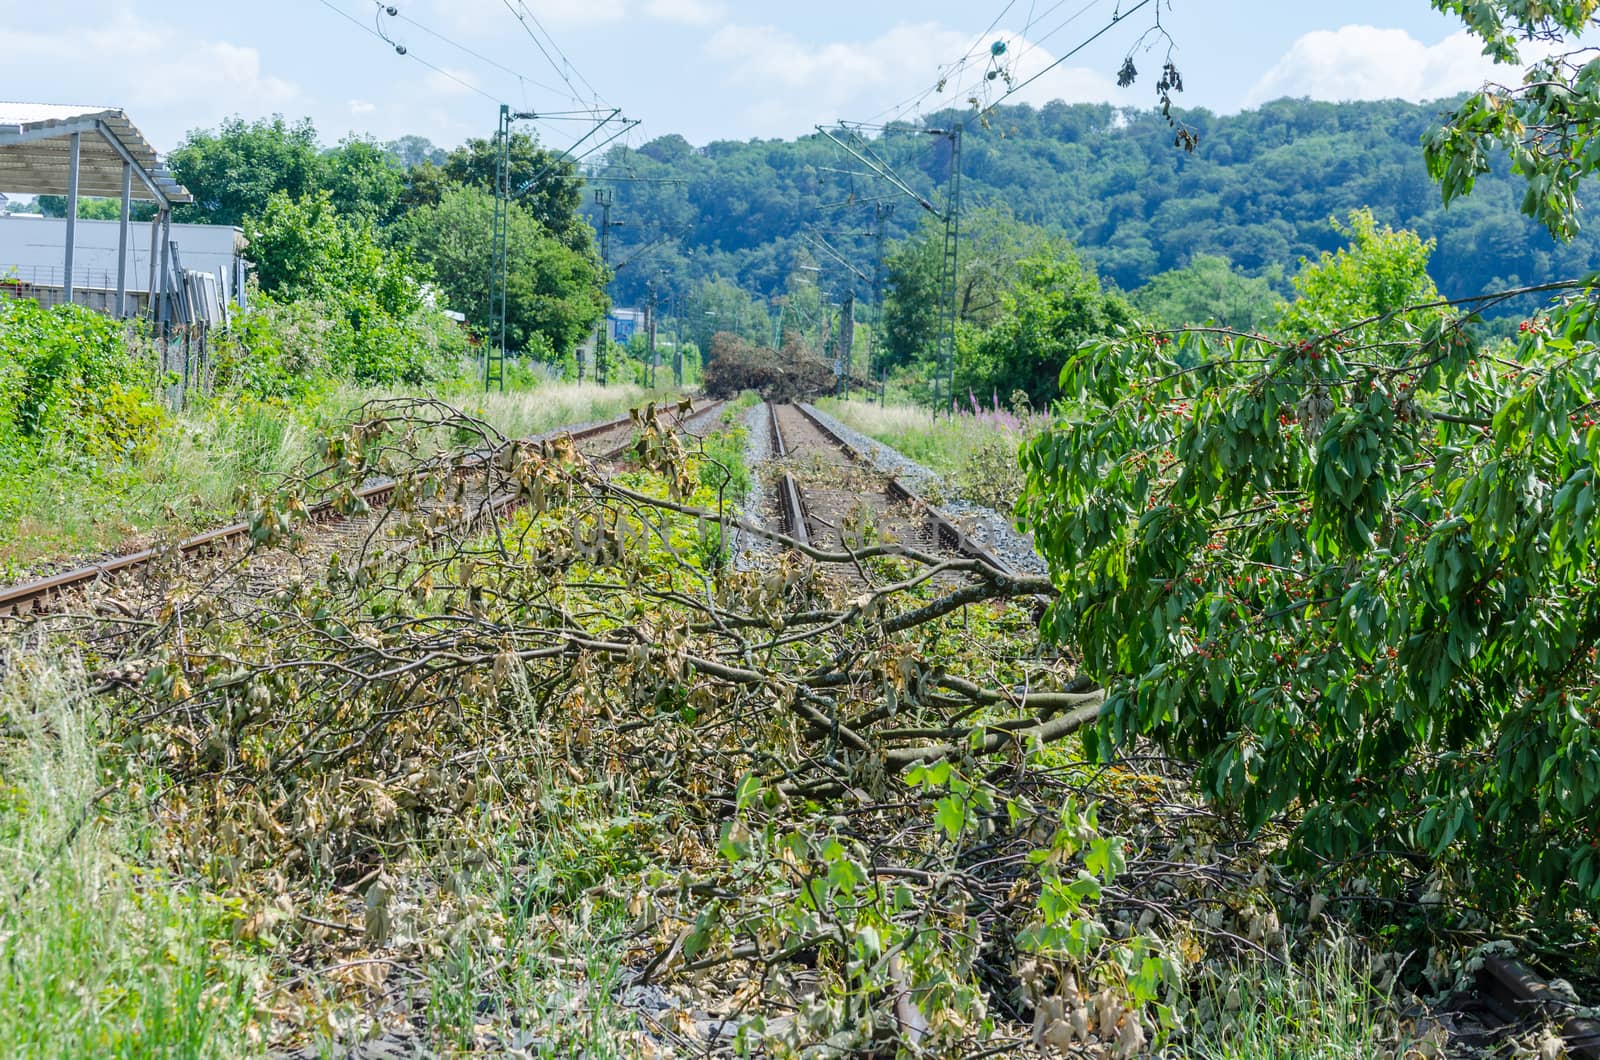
(950, 215)
(947, 277)
(494, 348)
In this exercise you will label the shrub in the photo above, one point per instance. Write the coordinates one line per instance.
(72, 378)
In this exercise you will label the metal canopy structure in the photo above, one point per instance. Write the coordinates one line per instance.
(56, 149)
(36, 147)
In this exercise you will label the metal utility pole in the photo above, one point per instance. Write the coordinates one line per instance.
(952, 235)
(677, 342)
(879, 237)
(604, 199)
(650, 331)
(950, 214)
(494, 350)
(847, 341)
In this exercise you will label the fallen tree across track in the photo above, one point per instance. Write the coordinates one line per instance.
(40, 596)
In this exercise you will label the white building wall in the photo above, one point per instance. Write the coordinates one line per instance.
(32, 249)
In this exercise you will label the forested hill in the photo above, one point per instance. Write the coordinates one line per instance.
(1260, 190)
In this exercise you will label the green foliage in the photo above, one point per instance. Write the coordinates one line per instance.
(363, 179)
(1258, 193)
(1549, 125)
(554, 298)
(1363, 286)
(721, 306)
(234, 171)
(1208, 288)
(1056, 304)
(995, 246)
(72, 382)
(378, 326)
(541, 182)
(95, 209)
(1355, 583)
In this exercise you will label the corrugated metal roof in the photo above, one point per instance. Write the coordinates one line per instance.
(34, 148)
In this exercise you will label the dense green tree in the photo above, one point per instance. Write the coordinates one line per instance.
(541, 182)
(1350, 569)
(554, 297)
(1208, 288)
(414, 150)
(363, 179)
(371, 295)
(1378, 274)
(718, 306)
(993, 245)
(1258, 192)
(1055, 305)
(233, 171)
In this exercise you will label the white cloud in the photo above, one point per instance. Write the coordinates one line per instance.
(1365, 62)
(689, 12)
(165, 66)
(154, 72)
(791, 84)
(361, 106)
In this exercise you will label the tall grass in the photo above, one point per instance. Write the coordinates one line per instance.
(1321, 1008)
(99, 954)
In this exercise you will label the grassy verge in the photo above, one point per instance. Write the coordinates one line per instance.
(976, 451)
(57, 509)
(1322, 1007)
(100, 953)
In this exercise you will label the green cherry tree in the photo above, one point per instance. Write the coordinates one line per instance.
(1352, 568)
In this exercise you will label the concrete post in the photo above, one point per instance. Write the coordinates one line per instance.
(72, 214)
(122, 241)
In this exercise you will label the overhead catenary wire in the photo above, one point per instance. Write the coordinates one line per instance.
(406, 52)
(1107, 28)
(952, 71)
(465, 50)
(524, 16)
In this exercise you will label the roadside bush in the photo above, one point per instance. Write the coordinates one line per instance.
(371, 316)
(72, 378)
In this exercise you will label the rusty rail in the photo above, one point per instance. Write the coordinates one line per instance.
(794, 511)
(950, 535)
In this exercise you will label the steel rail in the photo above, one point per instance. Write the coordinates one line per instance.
(794, 511)
(950, 536)
(1514, 994)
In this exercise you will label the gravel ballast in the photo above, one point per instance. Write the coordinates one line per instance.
(984, 525)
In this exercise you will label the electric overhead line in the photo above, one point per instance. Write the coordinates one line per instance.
(401, 49)
(1107, 28)
(953, 70)
(521, 77)
(524, 15)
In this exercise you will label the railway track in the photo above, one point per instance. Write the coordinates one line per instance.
(829, 494)
(608, 442)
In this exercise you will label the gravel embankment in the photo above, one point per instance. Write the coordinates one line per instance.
(984, 525)
(747, 547)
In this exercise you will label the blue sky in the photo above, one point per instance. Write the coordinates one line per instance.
(707, 69)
